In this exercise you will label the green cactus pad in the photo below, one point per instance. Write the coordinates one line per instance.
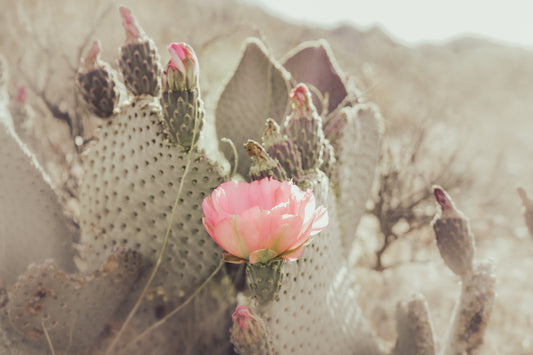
(317, 311)
(97, 88)
(33, 227)
(313, 63)
(180, 110)
(139, 63)
(257, 90)
(74, 309)
(357, 152)
(126, 199)
(456, 243)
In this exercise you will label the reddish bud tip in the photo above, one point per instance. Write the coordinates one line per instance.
(300, 96)
(21, 95)
(133, 32)
(443, 199)
(90, 61)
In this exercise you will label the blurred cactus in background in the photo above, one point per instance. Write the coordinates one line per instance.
(135, 271)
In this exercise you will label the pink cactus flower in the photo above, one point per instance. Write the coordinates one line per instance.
(262, 220)
(133, 31)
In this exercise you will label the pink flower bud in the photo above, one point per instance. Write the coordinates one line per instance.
(249, 333)
(182, 69)
(301, 101)
(21, 95)
(242, 316)
(262, 220)
(133, 31)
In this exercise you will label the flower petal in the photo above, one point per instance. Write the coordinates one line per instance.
(294, 254)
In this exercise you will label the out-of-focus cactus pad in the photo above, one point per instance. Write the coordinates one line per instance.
(414, 328)
(257, 90)
(33, 227)
(357, 153)
(314, 64)
(74, 309)
(317, 312)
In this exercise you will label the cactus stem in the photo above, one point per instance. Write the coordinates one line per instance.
(163, 246)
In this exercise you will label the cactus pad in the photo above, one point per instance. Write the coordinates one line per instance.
(257, 90)
(73, 308)
(33, 225)
(357, 153)
(314, 64)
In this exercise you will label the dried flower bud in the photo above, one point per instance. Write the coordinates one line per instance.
(263, 165)
(96, 82)
(249, 334)
(283, 149)
(454, 238)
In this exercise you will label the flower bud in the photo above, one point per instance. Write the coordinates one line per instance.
(21, 95)
(304, 127)
(139, 60)
(96, 83)
(454, 238)
(182, 70)
(182, 106)
(249, 334)
(263, 165)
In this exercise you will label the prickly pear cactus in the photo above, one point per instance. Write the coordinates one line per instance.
(149, 278)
